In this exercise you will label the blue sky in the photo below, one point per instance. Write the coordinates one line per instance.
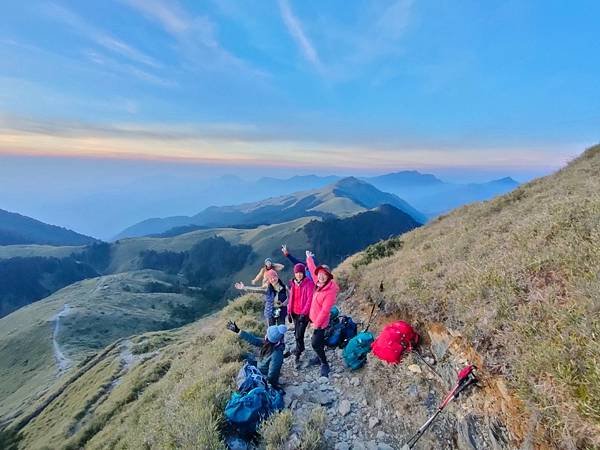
(364, 85)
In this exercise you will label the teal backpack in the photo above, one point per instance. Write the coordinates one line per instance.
(357, 349)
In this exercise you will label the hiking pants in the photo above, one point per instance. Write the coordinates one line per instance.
(300, 324)
(318, 344)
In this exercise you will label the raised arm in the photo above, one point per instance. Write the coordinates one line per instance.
(242, 287)
(310, 262)
(251, 339)
(259, 275)
(289, 256)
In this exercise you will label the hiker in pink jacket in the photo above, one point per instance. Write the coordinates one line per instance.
(324, 298)
(301, 290)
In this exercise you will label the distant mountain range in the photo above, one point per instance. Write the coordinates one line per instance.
(17, 229)
(425, 192)
(342, 198)
(433, 196)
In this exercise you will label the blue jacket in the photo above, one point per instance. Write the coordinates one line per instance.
(270, 365)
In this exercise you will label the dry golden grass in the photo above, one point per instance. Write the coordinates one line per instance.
(185, 408)
(312, 437)
(519, 276)
(170, 400)
(276, 429)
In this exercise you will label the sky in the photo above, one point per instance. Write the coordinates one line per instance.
(111, 111)
(302, 86)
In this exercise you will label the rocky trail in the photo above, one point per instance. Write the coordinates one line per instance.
(380, 406)
(62, 362)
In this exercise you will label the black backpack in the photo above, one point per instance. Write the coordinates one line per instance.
(340, 332)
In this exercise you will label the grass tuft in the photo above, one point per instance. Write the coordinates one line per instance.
(275, 430)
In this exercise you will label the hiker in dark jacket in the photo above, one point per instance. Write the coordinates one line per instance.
(295, 260)
(301, 293)
(271, 349)
(276, 298)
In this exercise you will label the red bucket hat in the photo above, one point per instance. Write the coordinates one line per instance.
(325, 268)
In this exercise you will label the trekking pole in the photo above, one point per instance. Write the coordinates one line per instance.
(466, 377)
(375, 305)
(435, 372)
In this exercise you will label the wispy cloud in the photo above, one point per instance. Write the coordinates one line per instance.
(112, 65)
(394, 20)
(99, 36)
(169, 15)
(296, 30)
(196, 36)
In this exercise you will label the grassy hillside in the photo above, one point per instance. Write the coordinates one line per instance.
(16, 229)
(157, 390)
(125, 252)
(26, 279)
(98, 312)
(45, 251)
(518, 278)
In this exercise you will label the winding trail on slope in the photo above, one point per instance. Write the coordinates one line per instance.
(62, 361)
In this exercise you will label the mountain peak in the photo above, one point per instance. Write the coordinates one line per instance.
(349, 182)
(506, 180)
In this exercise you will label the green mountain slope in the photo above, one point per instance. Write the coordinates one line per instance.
(91, 314)
(42, 271)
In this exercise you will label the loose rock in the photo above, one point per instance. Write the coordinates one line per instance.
(345, 407)
(373, 422)
(415, 369)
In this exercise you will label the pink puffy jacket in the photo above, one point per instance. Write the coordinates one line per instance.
(323, 299)
(301, 296)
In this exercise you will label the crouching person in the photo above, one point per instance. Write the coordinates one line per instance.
(272, 347)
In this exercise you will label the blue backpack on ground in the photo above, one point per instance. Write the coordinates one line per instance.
(245, 411)
(340, 333)
(355, 353)
(254, 402)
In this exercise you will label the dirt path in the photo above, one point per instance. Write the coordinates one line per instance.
(62, 362)
(380, 406)
(355, 419)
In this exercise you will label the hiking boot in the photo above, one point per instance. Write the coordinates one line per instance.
(297, 362)
(325, 370)
(314, 361)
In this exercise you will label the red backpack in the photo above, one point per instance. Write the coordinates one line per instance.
(394, 340)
